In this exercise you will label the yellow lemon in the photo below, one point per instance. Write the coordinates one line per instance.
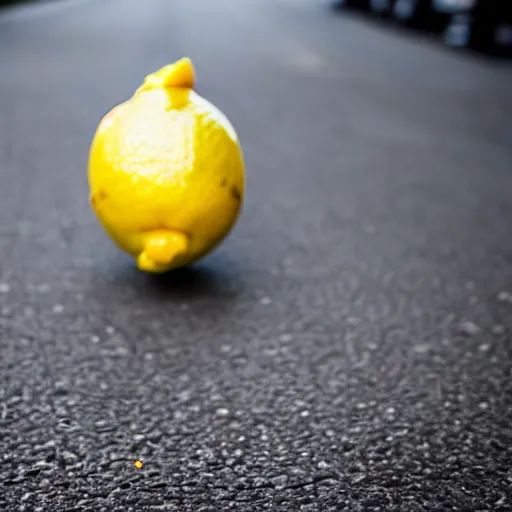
(166, 172)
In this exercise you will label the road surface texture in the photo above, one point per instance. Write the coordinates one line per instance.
(348, 348)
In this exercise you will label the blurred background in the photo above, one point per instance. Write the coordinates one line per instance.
(476, 24)
(348, 347)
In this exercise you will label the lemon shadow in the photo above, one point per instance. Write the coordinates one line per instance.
(215, 278)
(188, 283)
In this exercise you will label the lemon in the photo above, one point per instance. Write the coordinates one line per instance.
(166, 172)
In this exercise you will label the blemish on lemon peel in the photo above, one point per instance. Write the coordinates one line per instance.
(166, 172)
(236, 194)
(138, 464)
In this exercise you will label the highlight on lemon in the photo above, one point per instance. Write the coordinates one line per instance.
(166, 172)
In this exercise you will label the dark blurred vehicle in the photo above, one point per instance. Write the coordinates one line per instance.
(381, 7)
(341, 4)
(413, 13)
(483, 24)
(479, 24)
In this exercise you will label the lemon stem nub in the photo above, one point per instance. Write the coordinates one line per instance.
(179, 74)
(161, 248)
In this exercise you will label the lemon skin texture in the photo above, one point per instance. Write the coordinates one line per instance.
(166, 172)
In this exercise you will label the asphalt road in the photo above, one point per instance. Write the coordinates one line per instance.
(347, 348)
